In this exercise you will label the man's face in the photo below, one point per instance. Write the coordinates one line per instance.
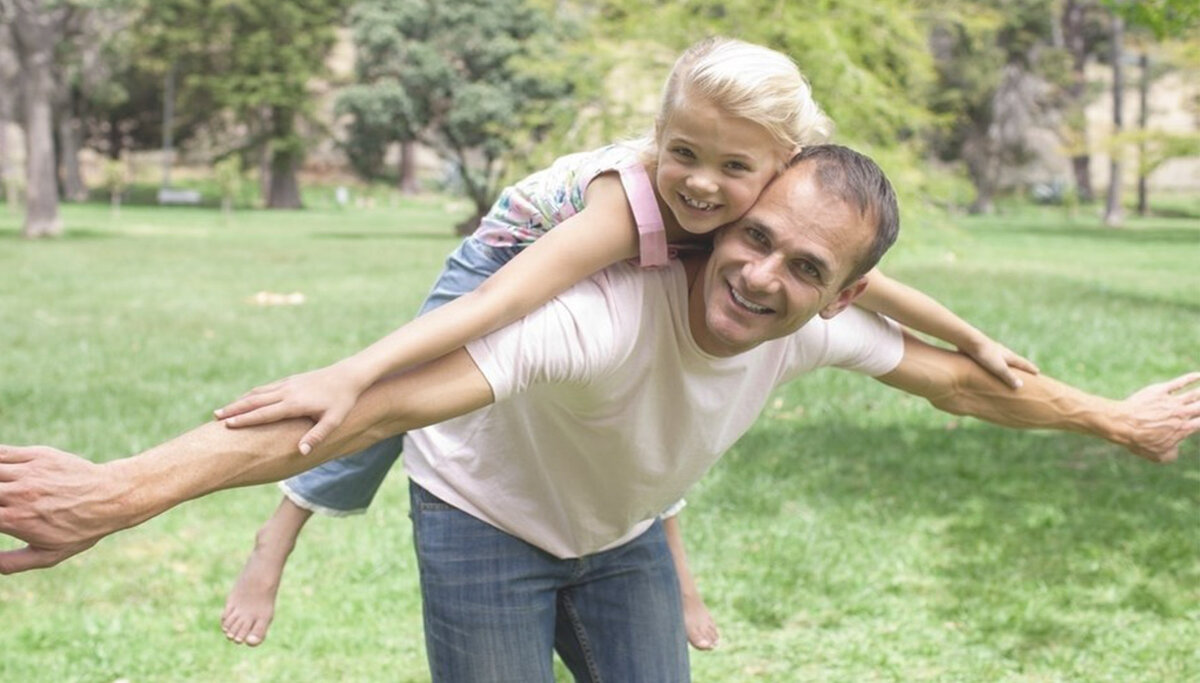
(785, 261)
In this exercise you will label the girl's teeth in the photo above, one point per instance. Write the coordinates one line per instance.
(703, 206)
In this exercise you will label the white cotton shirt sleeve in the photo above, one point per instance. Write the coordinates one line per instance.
(559, 343)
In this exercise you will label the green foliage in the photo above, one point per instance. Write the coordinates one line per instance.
(1163, 18)
(867, 60)
(457, 77)
(380, 114)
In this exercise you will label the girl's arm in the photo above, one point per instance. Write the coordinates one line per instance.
(917, 310)
(601, 234)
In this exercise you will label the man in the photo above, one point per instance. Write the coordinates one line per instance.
(535, 503)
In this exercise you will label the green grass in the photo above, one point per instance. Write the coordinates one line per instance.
(854, 535)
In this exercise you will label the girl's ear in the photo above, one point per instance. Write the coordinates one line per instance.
(795, 152)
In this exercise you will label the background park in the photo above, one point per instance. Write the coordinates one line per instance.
(202, 196)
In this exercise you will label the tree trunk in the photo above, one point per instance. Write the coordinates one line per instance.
(284, 191)
(1112, 209)
(408, 168)
(69, 139)
(168, 129)
(980, 157)
(4, 187)
(35, 42)
(1074, 14)
(1143, 114)
(115, 141)
(264, 171)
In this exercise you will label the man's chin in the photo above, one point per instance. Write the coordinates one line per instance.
(730, 339)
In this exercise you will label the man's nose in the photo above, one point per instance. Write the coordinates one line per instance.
(762, 275)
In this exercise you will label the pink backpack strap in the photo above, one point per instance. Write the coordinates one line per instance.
(652, 239)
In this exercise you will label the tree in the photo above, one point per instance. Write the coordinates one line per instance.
(1080, 38)
(1163, 19)
(1113, 215)
(255, 59)
(8, 107)
(451, 75)
(83, 73)
(1000, 78)
(35, 27)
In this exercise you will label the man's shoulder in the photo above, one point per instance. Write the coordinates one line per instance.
(855, 339)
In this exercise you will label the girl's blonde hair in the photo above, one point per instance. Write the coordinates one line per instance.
(749, 82)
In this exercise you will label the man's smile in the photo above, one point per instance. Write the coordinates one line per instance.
(747, 304)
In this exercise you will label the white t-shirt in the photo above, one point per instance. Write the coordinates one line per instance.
(607, 411)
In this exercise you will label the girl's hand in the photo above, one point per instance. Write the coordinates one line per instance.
(325, 395)
(999, 360)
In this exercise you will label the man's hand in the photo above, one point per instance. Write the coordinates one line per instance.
(1161, 416)
(45, 497)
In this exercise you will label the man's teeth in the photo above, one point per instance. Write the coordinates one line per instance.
(697, 204)
(750, 305)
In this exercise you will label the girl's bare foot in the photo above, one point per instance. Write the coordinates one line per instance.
(251, 603)
(702, 631)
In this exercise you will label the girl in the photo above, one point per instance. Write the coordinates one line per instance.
(732, 114)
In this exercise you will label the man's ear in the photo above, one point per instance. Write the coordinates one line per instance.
(844, 298)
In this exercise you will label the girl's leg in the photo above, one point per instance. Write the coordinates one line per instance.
(702, 631)
(251, 604)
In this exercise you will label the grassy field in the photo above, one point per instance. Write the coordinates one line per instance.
(854, 534)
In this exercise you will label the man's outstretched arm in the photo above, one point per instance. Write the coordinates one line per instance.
(60, 504)
(1150, 423)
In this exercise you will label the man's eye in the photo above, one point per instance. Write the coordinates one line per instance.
(756, 235)
(807, 269)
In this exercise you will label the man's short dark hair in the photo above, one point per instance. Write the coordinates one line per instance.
(858, 181)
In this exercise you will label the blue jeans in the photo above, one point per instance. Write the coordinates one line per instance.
(347, 485)
(496, 608)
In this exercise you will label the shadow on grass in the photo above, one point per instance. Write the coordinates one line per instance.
(1022, 534)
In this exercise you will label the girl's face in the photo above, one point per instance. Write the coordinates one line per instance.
(712, 166)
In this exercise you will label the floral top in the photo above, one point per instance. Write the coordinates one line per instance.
(528, 209)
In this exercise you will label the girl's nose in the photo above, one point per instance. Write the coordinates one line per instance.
(700, 182)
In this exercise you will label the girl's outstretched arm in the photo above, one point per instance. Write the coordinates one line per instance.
(601, 234)
(922, 313)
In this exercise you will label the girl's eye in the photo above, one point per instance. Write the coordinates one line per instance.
(737, 166)
(682, 152)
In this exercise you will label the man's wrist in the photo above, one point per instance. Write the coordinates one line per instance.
(1109, 422)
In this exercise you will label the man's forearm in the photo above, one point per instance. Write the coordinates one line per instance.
(213, 457)
(1150, 423)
